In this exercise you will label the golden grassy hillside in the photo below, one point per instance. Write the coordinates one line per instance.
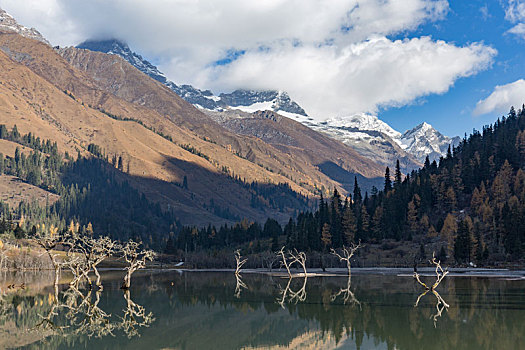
(79, 97)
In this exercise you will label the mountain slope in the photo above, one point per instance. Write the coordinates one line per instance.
(157, 165)
(279, 100)
(95, 98)
(370, 137)
(329, 155)
(366, 134)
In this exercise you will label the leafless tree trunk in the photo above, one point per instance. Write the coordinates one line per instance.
(136, 259)
(347, 254)
(239, 261)
(269, 260)
(284, 260)
(300, 258)
(440, 274)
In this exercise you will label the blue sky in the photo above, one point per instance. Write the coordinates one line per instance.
(407, 61)
(452, 112)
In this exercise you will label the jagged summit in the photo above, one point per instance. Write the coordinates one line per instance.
(8, 23)
(367, 134)
(365, 122)
(252, 101)
(247, 100)
(423, 140)
(120, 48)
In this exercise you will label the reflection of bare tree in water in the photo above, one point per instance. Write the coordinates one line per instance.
(84, 314)
(441, 305)
(74, 313)
(348, 295)
(287, 294)
(240, 285)
(287, 260)
(135, 316)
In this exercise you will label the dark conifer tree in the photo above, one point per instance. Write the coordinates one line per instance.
(388, 180)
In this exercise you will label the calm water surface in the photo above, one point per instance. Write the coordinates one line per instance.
(205, 310)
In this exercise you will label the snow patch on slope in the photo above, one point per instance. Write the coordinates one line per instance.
(8, 23)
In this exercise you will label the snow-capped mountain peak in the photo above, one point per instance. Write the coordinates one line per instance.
(366, 133)
(364, 122)
(117, 47)
(423, 140)
(251, 101)
(8, 23)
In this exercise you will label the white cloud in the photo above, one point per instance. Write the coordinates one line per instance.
(502, 98)
(515, 13)
(357, 78)
(334, 57)
(518, 29)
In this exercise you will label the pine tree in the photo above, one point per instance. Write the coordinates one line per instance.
(388, 180)
(448, 232)
(463, 244)
(357, 192)
(426, 166)
(520, 146)
(15, 135)
(377, 223)
(450, 199)
(3, 132)
(89, 229)
(398, 175)
(365, 222)
(349, 225)
(326, 237)
(412, 214)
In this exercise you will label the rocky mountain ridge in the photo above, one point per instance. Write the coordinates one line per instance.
(367, 134)
(8, 23)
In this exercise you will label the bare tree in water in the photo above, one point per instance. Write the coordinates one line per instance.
(136, 259)
(346, 254)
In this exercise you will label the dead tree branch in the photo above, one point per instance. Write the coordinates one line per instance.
(136, 259)
(440, 274)
(240, 285)
(135, 316)
(300, 258)
(239, 262)
(284, 260)
(347, 254)
(348, 295)
(441, 305)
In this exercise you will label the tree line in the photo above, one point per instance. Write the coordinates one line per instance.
(471, 202)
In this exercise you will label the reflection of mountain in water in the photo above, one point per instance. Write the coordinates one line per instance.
(200, 311)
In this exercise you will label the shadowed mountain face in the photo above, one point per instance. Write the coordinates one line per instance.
(78, 97)
(333, 158)
(157, 164)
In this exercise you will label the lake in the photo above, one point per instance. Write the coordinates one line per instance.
(211, 310)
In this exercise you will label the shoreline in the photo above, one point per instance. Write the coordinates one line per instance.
(342, 272)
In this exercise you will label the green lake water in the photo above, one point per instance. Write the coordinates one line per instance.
(205, 310)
